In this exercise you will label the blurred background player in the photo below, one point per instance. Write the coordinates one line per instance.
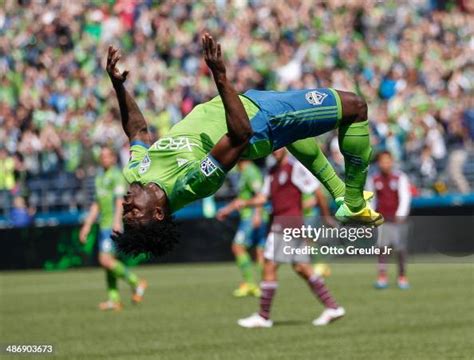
(284, 186)
(252, 229)
(312, 203)
(392, 199)
(110, 187)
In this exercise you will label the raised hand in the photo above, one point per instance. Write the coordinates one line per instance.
(117, 77)
(213, 55)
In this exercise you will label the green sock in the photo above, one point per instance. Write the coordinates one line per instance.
(307, 151)
(121, 271)
(245, 265)
(354, 142)
(112, 291)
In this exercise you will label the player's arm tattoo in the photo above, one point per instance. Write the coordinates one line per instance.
(133, 121)
(228, 150)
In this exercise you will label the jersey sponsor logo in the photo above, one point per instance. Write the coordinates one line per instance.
(144, 165)
(208, 167)
(178, 143)
(181, 161)
(315, 97)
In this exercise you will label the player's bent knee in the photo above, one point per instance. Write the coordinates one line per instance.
(238, 249)
(354, 107)
(362, 109)
(299, 268)
(106, 261)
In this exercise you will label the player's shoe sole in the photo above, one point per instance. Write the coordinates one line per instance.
(139, 292)
(366, 216)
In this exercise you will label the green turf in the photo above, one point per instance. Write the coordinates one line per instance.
(189, 314)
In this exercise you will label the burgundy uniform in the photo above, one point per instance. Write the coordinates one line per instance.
(284, 186)
(392, 194)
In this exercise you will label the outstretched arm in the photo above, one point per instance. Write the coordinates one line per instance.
(229, 148)
(133, 122)
(257, 201)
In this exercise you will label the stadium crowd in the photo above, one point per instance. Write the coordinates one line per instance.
(412, 62)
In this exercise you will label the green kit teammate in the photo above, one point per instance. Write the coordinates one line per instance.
(110, 188)
(191, 162)
(252, 229)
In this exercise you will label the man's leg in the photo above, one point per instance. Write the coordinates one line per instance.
(244, 263)
(400, 244)
(113, 297)
(119, 270)
(259, 260)
(112, 290)
(307, 151)
(382, 279)
(383, 241)
(316, 283)
(268, 287)
(402, 280)
(261, 237)
(242, 241)
(354, 143)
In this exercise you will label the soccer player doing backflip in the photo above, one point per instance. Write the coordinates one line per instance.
(191, 161)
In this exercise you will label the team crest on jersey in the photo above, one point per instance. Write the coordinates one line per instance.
(208, 167)
(144, 165)
(315, 97)
(283, 177)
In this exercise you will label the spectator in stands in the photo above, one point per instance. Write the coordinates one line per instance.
(20, 175)
(427, 167)
(20, 215)
(7, 170)
(457, 139)
(411, 62)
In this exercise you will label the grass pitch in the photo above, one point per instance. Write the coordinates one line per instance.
(189, 313)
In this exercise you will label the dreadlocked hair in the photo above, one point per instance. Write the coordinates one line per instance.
(154, 238)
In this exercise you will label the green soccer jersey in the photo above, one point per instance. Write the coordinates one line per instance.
(180, 162)
(109, 185)
(250, 183)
